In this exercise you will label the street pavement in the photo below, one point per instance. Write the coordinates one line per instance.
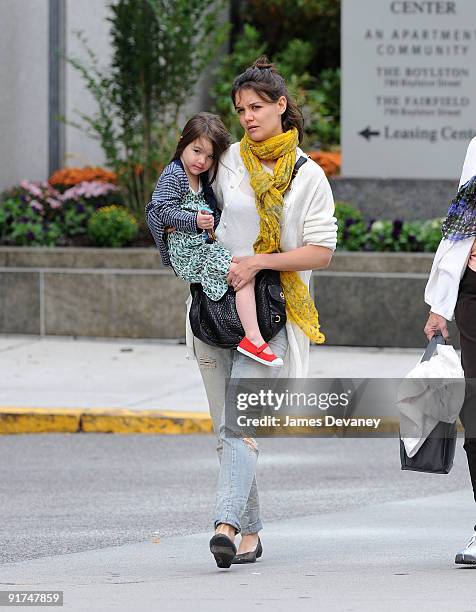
(344, 528)
(392, 556)
(146, 374)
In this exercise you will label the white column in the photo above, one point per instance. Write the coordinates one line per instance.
(89, 16)
(23, 91)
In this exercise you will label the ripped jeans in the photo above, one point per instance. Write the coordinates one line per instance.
(237, 501)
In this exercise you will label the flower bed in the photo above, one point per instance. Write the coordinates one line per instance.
(65, 210)
(84, 207)
(384, 235)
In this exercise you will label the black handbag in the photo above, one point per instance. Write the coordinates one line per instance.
(217, 322)
(437, 452)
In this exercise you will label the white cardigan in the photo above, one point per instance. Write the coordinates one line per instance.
(307, 219)
(451, 258)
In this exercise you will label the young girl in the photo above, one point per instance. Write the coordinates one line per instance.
(182, 216)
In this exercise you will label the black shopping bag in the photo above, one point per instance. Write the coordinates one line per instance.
(437, 453)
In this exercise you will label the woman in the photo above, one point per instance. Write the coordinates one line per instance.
(451, 292)
(252, 175)
(263, 212)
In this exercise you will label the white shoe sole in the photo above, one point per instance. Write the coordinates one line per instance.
(277, 363)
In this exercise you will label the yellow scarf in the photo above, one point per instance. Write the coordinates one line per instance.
(269, 190)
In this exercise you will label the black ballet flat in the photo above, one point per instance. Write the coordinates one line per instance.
(249, 557)
(223, 549)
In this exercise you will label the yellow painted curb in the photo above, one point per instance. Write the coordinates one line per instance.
(16, 420)
(146, 422)
(39, 420)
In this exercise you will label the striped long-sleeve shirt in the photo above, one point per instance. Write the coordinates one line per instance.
(164, 209)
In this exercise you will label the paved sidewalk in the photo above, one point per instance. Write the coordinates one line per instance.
(388, 556)
(140, 375)
(145, 374)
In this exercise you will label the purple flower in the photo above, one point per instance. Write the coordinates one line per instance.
(349, 222)
(80, 208)
(397, 229)
(30, 235)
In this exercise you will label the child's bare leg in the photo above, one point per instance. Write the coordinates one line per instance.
(246, 308)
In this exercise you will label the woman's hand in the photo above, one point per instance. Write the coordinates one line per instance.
(243, 271)
(205, 220)
(434, 324)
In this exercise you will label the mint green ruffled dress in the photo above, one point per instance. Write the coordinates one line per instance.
(195, 260)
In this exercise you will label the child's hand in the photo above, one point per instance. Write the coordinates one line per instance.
(205, 220)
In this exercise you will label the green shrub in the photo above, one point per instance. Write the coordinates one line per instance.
(319, 99)
(429, 235)
(27, 223)
(321, 111)
(380, 236)
(351, 227)
(75, 217)
(384, 235)
(159, 49)
(248, 48)
(287, 31)
(112, 226)
(316, 21)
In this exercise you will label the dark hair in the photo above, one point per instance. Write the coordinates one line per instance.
(209, 126)
(266, 81)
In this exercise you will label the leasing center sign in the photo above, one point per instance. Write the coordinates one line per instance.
(408, 87)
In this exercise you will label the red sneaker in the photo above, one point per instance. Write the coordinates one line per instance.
(256, 352)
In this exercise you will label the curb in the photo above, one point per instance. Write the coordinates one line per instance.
(15, 420)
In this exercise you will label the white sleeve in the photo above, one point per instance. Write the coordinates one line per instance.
(451, 258)
(217, 185)
(450, 261)
(469, 165)
(320, 226)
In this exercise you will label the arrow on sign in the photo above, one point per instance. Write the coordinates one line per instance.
(368, 133)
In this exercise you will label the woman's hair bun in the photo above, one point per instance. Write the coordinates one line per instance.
(262, 63)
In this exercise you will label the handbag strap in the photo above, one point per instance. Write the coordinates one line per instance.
(431, 348)
(299, 162)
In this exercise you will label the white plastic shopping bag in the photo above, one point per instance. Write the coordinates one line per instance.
(431, 392)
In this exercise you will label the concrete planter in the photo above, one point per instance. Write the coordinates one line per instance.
(364, 299)
(375, 299)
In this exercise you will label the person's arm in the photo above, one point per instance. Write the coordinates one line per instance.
(164, 209)
(442, 287)
(309, 257)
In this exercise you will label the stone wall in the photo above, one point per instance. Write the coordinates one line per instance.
(364, 299)
(396, 198)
